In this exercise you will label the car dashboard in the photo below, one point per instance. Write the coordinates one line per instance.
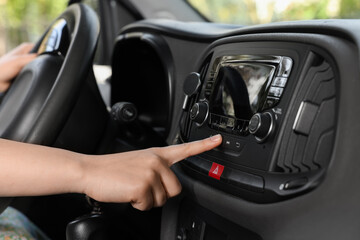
(284, 97)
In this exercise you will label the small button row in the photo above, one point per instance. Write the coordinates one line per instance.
(231, 144)
(279, 82)
(270, 102)
(229, 125)
(275, 92)
(208, 87)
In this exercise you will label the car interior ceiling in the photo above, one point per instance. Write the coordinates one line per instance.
(283, 96)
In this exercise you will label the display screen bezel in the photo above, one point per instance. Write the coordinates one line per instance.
(256, 99)
(239, 125)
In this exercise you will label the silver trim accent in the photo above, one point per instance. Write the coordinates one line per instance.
(206, 116)
(269, 59)
(134, 35)
(258, 126)
(298, 115)
(252, 58)
(185, 103)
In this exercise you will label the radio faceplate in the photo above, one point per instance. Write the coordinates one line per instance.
(250, 96)
(240, 86)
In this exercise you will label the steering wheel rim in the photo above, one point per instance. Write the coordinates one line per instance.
(84, 29)
(47, 115)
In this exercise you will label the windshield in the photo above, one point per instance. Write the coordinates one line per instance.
(248, 12)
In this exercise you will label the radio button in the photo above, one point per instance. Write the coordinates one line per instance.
(209, 85)
(226, 143)
(285, 67)
(207, 93)
(237, 145)
(240, 127)
(270, 102)
(231, 144)
(279, 82)
(223, 122)
(214, 118)
(231, 123)
(275, 91)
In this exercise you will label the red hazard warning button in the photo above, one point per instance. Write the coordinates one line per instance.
(216, 171)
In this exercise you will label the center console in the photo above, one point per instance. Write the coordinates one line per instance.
(284, 97)
(275, 109)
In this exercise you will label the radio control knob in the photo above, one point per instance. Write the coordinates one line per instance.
(199, 112)
(261, 125)
(192, 84)
(191, 87)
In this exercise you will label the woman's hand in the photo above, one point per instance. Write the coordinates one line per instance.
(143, 177)
(12, 63)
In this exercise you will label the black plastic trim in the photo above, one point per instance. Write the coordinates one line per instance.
(162, 49)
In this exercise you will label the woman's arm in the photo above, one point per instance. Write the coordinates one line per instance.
(142, 177)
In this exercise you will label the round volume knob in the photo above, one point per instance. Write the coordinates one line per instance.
(199, 112)
(261, 126)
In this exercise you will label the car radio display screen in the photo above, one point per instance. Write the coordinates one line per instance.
(240, 89)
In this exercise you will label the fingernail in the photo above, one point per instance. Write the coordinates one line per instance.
(215, 138)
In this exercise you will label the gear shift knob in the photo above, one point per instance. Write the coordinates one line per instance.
(89, 227)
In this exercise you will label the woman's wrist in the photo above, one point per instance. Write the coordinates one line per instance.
(77, 175)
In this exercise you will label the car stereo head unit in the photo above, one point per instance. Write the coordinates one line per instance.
(237, 99)
(246, 98)
(242, 86)
(239, 87)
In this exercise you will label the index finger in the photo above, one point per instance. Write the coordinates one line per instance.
(175, 153)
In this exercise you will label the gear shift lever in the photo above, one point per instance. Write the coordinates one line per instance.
(89, 227)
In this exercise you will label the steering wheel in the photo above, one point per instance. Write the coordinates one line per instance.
(40, 100)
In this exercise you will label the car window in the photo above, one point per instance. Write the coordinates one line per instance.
(94, 4)
(264, 11)
(22, 20)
